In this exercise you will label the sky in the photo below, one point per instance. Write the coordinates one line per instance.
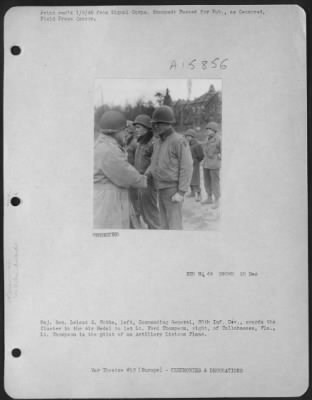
(119, 91)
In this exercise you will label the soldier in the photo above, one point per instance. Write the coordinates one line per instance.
(212, 164)
(198, 155)
(147, 198)
(171, 168)
(131, 142)
(130, 146)
(113, 175)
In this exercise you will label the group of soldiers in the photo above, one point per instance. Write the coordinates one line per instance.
(144, 170)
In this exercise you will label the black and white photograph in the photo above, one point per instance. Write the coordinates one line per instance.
(157, 154)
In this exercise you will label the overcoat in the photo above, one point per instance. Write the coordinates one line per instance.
(113, 176)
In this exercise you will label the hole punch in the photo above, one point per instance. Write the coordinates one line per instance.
(16, 50)
(15, 201)
(16, 353)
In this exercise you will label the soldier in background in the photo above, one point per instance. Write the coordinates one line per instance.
(131, 142)
(198, 155)
(113, 175)
(212, 164)
(147, 198)
(171, 168)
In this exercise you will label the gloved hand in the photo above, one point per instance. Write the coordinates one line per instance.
(177, 198)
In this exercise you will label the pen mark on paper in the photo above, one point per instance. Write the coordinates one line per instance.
(218, 63)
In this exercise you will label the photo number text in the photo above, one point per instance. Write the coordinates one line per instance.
(215, 63)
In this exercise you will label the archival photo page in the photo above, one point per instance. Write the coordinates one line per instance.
(158, 247)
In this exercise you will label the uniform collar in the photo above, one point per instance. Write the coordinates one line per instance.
(109, 139)
(212, 138)
(106, 138)
(145, 138)
(166, 133)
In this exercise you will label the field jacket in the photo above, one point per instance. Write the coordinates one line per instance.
(172, 163)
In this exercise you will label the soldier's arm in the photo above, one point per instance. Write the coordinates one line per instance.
(149, 153)
(149, 150)
(120, 172)
(186, 166)
(199, 152)
(219, 148)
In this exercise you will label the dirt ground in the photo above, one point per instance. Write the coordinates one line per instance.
(197, 216)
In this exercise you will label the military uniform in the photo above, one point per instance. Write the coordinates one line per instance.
(113, 176)
(147, 198)
(212, 165)
(198, 155)
(171, 168)
(131, 145)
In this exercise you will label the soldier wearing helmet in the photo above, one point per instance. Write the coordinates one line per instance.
(212, 164)
(147, 198)
(113, 175)
(198, 155)
(171, 168)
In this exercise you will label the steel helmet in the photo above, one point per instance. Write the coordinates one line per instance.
(213, 125)
(163, 114)
(112, 122)
(144, 120)
(190, 132)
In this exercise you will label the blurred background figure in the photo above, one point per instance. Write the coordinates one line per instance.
(130, 142)
(197, 155)
(113, 175)
(147, 198)
(212, 164)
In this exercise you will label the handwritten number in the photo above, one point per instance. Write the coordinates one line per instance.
(191, 64)
(203, 64)
(214, 62)
(173, 65)
(222, 64)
